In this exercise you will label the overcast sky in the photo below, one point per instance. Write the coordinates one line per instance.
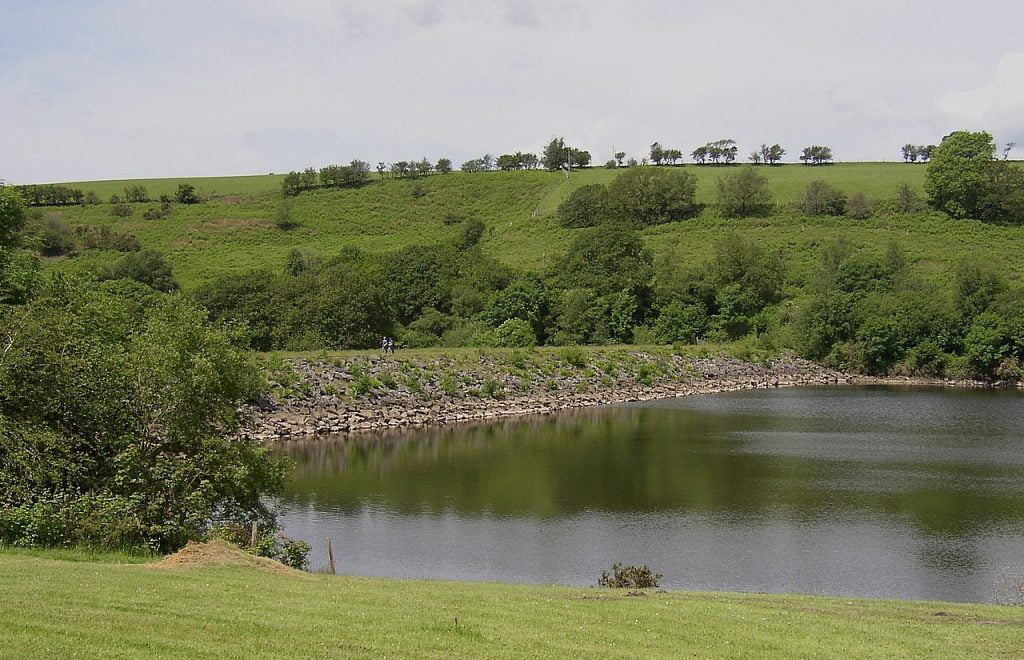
(108, 89)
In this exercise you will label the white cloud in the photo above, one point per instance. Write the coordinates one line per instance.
(997, 107)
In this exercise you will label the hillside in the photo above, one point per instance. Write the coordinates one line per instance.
(234, 229)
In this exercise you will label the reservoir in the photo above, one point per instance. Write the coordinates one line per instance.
(853, 491)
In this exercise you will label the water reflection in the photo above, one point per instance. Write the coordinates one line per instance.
(868, 491)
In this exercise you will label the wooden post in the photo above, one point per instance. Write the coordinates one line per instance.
(255, 528)
(330, 556)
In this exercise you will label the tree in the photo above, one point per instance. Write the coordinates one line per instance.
(909, 153)
(657, 153)
(700, 155)
(580, 158)
(444, 166)
(118, 424)
(508, 162)
(608, 258)
(354, 175)
(755, 157)
(291, 185)
(584, 207)
(556, 155)
(12, 216)
(744, 193)
(816, 155)
(330, 176)
(474, 165)
(821, 198)
(1002, 198)
(728, 150)
(959, 172)
(772, 154)
(619, 157)
(647, 196)
(307, 179)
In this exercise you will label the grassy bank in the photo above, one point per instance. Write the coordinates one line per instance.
(234, 230)
(90, 609)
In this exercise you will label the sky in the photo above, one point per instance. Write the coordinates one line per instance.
(115, 89)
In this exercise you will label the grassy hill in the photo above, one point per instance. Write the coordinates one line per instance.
(232, 606)
(234, 229)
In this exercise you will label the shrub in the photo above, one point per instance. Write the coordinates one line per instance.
(121, 210)
(821, 198)
(492, 388)
(629, 577)
(118, 424)
(651, 195)
(515, 333)
(283, 220)
(136, 193)
(744, 193)
(574, 356)
(186, 194)
(363, 385)
(859, 206)
(148, 267)
(448, 384)
(584, 207)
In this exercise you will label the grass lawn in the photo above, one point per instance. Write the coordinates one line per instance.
(57, 608)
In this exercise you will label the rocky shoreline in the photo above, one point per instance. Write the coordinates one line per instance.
(324, 397)
(315, 397)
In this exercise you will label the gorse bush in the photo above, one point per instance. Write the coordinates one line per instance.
(629, 577)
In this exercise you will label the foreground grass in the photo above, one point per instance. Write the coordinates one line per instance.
(56, 608)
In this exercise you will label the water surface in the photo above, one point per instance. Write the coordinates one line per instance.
(893, 492)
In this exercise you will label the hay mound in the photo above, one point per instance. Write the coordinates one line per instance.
(220, 553)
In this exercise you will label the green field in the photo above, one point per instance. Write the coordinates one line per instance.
(234, 230)
(89, 608)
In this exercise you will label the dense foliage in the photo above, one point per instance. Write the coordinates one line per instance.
(965, 181)
(119, 413)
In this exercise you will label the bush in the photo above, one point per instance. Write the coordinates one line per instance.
(119, 425)
(121, 210)
(574, 356)
(584, 207)
(492, 388)
(651, 195)
(148, 267)
(744, 193)
(136, 193)
(186, 194)
(515, 333)
(629, 577)
(858, 207)
(283, 219)
(821, 198)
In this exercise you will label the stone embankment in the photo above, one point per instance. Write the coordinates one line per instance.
(321, 397)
